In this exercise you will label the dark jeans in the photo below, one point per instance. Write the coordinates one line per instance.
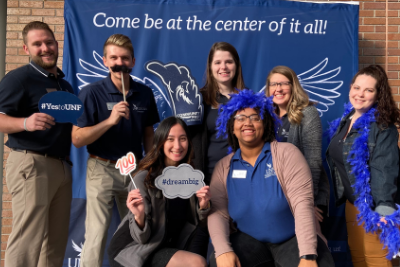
(253, 253)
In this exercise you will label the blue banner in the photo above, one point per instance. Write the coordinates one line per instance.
(319, 41)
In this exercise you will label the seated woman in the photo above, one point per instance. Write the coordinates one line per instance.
(262, 193)
(158, 231)
(363, 157)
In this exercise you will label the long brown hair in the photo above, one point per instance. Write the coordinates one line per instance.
(154, 161)
(210, 89)
(298, 99)
(386, 112)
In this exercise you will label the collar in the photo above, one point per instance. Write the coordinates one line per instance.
(112, 89)
(44, 72)
(266, 148)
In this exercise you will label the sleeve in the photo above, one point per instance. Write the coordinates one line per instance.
(88, 117)
(311, 138)
(153, 111)
(384, 170)
(219, 220)
(297, 185)
(141, 235)
(11, 95)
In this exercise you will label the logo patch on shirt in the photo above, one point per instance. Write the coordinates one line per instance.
(284, 133)
(136, 108)
(269, 171)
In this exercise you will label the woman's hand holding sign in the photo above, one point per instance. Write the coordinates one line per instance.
(204, 197)
(135, 204)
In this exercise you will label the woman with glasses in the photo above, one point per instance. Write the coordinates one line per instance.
(301, 126)
(363, 157)
(262, 212)
(223, 78)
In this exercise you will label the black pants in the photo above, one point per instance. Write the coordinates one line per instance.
(253, 253)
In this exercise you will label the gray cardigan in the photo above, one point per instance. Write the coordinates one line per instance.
(146, 240)
(308, 138)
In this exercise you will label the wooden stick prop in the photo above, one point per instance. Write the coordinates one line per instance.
(122, 69)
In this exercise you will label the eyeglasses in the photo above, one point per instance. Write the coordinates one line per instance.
(284, 85)
(242, 118)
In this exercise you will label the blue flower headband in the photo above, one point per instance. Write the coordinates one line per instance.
(245, 99)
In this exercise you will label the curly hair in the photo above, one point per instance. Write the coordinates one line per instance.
(210, 89)
(247, 99)
(154, 161)
(298, 99)
(386, 112)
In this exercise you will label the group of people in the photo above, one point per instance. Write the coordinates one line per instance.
(266, 190)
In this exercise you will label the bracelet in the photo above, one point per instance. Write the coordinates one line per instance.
(25, 125)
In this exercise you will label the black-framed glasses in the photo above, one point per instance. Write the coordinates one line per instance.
(242, 118)
(283, 85)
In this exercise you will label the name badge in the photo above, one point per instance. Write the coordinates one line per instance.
(239, 174)
(49, 90)
(110, 105)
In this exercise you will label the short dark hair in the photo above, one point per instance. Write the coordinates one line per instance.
(119, 40)
(268, 124)
(154, 161)
(36, 25)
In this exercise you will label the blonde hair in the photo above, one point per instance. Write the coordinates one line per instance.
(119, 40)
(298, 99)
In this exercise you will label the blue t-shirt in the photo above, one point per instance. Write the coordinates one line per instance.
(257, 203)
(98, 100)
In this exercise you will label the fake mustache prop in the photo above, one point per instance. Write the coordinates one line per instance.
(122, 69)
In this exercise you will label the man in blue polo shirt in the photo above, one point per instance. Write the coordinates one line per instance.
(111, 128)
(38, 172)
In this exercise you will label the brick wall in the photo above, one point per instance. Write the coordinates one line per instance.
(371, 51)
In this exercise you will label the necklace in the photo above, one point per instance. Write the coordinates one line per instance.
(389, 233)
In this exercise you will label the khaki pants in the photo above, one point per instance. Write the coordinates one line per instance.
(41, 189)
(104, 183)
(366, 249)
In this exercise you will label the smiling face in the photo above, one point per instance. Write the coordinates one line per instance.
(363, 93)
(223, 68)
(43, 48)
(281, 92)
(176, 146)
(117, 55)
(248, 133)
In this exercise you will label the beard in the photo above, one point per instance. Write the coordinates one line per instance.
(45, 65)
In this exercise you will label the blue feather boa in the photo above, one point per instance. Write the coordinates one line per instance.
(358, 158)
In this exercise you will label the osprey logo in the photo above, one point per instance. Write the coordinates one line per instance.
(269, 171)
(182, 88)
(75, 262)
(134, 107)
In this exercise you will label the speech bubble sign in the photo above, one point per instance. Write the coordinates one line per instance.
(126, 164)
(182, 181)
(62, 106)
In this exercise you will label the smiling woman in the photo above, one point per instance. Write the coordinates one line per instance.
(263, 190)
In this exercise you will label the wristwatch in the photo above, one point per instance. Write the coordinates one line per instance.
(309, 257)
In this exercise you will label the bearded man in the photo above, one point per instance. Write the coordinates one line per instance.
(38, 170)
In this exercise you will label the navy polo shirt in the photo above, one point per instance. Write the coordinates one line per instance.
(98, 100)
(257, 203)
(20, 92)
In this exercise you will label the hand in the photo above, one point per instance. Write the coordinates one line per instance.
(119, 110)
(228, 259)
(307, 263)
(318, 214)
(382, 220)
(204, 197)
(135, 204)
(39, 122)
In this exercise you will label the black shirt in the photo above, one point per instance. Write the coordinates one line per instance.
(20, 92)
(283, 131)
(336, 153)
(217, 147)
(98, 100)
